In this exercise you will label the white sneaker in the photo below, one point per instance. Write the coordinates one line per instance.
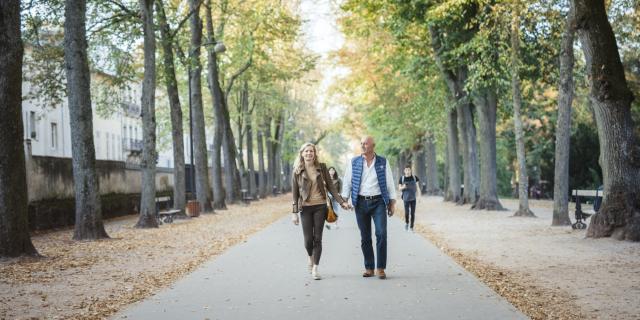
(310, 265)
(314, 273)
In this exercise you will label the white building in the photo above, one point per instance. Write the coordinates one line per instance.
(117, 136)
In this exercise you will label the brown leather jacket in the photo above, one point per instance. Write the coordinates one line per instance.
(300, 186)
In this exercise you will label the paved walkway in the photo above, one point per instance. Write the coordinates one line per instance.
(266, 278)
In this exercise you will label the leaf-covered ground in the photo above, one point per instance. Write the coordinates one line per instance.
(546, 272)
(92, 280)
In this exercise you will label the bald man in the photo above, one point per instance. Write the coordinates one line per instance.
(369, 182)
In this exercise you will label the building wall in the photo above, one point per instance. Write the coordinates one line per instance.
(118, 145)
(52, 178)
(48, 126)
(51, 195)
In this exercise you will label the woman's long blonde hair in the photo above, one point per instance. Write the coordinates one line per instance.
(298, 165)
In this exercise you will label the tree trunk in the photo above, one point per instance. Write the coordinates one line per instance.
(203, 191)
(455, 80)
(270, 156)
(468, 142)
(472, 149)
(218, 102)
(251, 179)
(453, 192)
(433, 187)
(563, 126)
(463, 139)
(148, 162)
(219, 193)
(262, 184)
(523, 208)
(280, 130)
(14, 226)
(232, 176)
(244, 103)
(177, 132)
(487, 104)
(88, 224)
(403, 160)
(619, 215)
(446, 173)
(420, 157)
(287, 176)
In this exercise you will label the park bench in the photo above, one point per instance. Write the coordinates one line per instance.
(246, 197)
(583, 215)
(164, 212)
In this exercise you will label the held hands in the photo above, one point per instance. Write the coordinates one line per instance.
(295, 219)
(346, 206)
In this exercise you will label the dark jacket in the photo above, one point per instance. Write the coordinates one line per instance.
(337, 183)
(300, 186)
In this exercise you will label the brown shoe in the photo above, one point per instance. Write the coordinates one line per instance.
(368, 273)
(381, 274)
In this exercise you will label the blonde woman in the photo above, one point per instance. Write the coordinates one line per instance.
(310, 183)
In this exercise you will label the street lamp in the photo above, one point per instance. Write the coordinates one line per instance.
(219, 47)
(193, 171)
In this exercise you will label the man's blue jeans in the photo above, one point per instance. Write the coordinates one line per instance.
(366, 210)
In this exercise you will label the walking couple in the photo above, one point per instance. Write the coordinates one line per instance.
(369, 183)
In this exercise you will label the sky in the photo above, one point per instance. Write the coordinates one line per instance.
(320, 25)
(322, 36)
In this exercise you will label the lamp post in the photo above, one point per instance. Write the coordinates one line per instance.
(193, 171)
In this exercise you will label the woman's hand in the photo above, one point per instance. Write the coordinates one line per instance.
(295, 219)
(346, 206)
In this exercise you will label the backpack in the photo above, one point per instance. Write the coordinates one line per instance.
(414, 179)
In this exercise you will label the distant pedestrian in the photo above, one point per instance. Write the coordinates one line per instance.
(369, 181)
(337, 183)
(310, 183)
(409, 186)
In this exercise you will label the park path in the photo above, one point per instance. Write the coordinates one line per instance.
(266, 277)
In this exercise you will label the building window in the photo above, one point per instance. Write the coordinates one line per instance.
(97, 144)
(54, 135)
(107, 138)
(32, 125)
(119, 148)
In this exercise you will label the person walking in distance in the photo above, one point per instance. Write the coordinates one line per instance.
(310, 182)
(369, 181)
(409, 186)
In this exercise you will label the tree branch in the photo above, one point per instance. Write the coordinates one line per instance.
(323, 135)
(237, 74)
(124, 8)
(112, 20)
(253, 106)
(185, 19)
